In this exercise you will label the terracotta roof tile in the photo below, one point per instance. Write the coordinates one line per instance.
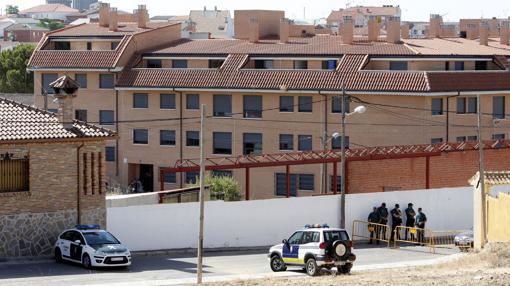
(352, 63)
(94, 29)
(469, 81)
(22, 122)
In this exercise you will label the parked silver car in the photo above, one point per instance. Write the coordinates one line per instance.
(464, 241)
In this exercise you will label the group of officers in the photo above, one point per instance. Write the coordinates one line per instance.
(380, 216)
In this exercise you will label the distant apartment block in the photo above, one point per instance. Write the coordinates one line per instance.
(63, 2)
(83, 4)
(218, 23)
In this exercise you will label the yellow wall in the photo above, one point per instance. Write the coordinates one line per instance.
(498, 217)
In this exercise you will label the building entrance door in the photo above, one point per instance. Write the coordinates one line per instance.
(147, 177)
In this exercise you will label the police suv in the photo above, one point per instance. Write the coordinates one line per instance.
(314, 247)
(92, 247)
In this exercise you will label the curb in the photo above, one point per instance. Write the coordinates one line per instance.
(193, 251)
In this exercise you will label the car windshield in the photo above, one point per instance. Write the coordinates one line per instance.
(100, 237)
(334, 235)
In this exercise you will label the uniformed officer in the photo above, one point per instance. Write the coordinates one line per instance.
(410, 214)
(396, 220)
(421, 219)
(383, 217)
(373, 217)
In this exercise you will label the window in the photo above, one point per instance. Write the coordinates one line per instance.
(459, 66)
(305, 104)
(437, 106)
(114, 45)
(480, 65)
(306, 182)
(286, 103)
(167, 137)
(281, 184)
(80, 114)
(498, 136)
(62, 45)
(52, 110)
(89, 46)
(472, 105)
(304, 142)
(336, 105)
(215, 64)
(192, 177)
(154, 64)
(140, 100)
(336, 143)
(192, 138)
(498, 107)
(296, 238)
(222, 173)
(436, 140)
(460, 139)
(81, 78)
(222, 143)
(461, 105)
(252, 143)
(222, 105)
(192, 101)
(106, 117)
(252, 106)
(263, 64)
(329, 65)
(179, 64)
(106, 81)
(170, 177)
(472, 138)
(310, 237)
(300, 65)
(48, 78)
(398, 66)
(140, 136)
(167, 101)
(286, 142)
(338, 184)
(334, 235)
(14, 174)
(109, 154)
(447, 66)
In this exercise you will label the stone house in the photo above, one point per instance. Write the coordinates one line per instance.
(52, 176)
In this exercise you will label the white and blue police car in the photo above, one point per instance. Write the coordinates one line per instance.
(92, 247)
(314, 247)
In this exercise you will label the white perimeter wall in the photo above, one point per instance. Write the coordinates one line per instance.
(267, 222)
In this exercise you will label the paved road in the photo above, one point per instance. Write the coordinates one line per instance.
(180, 269)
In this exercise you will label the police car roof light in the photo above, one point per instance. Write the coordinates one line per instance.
(317, 225)
(87, 226)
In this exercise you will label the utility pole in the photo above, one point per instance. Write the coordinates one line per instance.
(200, 249)
(342, 172)
(481, 171)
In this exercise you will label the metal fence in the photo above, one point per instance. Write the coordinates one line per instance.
(371, 231)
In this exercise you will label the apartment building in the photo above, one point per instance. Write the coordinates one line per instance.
(271, 95)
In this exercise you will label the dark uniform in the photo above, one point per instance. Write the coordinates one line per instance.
(410, 214)
(374, 218)
(383, 217)
(421, 219)
(396, 220)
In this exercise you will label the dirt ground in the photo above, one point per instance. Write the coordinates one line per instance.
(489, 267)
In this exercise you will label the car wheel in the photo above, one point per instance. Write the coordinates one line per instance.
(311, 267)
(277, 264)
(345, 269)
(87, 264)
(58, 255)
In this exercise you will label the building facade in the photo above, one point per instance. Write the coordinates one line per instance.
(83, 4)
(273, 95)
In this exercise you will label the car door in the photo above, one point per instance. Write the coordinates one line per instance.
(65, 243)
(309, 244)
(76, 247)
(290, 250)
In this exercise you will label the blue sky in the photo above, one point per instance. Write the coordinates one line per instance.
(411, 9)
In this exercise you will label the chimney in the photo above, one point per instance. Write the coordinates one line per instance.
(484, 33)
(254, 30)
(373, 29)
(65, 91)
(504, 33)
(435, 26)
(104, 11)
(347, 30)
(284, 30)
(472, 31)
(393, 29)
(113, 19)
(142, 16)
(405, 30)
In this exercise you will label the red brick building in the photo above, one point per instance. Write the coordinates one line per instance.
(24, 33)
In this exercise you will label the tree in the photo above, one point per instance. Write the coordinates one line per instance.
(13, 65)
(11, 9)
(50, 24)
(223, 188)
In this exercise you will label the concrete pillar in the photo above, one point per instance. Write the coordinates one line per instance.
(435, 26)
(142, 16)
(484, 34)
(504, 33)
(405, 30)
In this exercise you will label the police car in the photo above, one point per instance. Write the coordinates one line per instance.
(92, 247)
(314, 247)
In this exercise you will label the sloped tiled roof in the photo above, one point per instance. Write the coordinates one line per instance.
(19, 122)
(492, 178)
(49, 8)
